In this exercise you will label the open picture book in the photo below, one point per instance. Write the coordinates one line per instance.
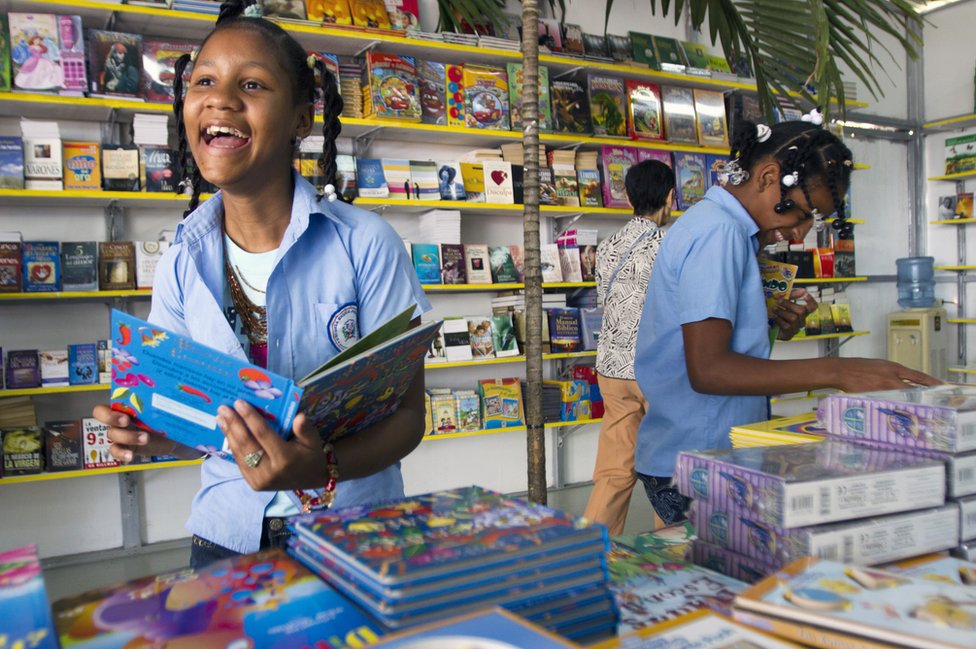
(172, 385)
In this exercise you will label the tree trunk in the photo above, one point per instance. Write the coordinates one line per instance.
(535, 426)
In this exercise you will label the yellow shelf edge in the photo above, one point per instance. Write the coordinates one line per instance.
(508, 359)
(961, 320)
(828, 280)
(449, 288)
(93, 102)
(568, 284)
(861, 165)
(848, 334)
(949, 120)
(23, 392)
(954, 268)
(76, 295)
(958, 176)
(963, 370)
(952, 221)
(510, 429)
(84, 473)
(559, 355)
(578, 422)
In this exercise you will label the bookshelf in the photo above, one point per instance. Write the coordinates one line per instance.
(86, 473)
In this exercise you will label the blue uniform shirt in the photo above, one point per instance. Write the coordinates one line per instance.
(340, 272)
(706, 268)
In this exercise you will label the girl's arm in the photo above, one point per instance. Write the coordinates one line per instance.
(714, 368)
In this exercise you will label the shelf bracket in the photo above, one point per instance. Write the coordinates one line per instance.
(129, 492)
(113, 219)
(831, 350)
(110, 21)
(573, 218)
(362, 143)
(368, 48)
(569, 72)
(574, 145)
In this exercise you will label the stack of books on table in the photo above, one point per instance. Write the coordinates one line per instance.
(756, 509)
(423, 559)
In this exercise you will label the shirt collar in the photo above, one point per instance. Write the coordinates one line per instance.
(731, 205)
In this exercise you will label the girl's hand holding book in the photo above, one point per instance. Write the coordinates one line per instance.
(128, 441)
(790, 315)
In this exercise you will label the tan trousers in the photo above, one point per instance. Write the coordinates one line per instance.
(614, 477)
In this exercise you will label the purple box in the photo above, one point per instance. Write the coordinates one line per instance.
(865, 541)
(797, 485)
(960, 469)
(940, 418)
(732, 564)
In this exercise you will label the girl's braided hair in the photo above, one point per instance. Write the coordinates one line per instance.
(234, 15)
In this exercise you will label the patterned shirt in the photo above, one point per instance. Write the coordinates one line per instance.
(623, 268)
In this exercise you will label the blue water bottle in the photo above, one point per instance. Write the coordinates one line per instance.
(916, 282)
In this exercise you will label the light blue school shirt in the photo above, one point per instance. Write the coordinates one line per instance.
(339, 269)
(706, 268)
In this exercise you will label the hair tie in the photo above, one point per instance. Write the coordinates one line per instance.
(253, 11)
(763, 132)
(790, 179)
(193, 55)
(814, 117)
(310, 61)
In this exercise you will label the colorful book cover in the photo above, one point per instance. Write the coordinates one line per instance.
(329, 12)
(883, 608)
(148, 254)
(642, 50)
(679, 114)
(95, 444)
(608, 105)
(924, 418)
(503, 335)
(369, 13)
(11, 263)
(616, 161)
(644, 104)
(701, 629)
(455, 95)
(564, 329)
(290, 9)
(715, 164)
(494, 628)
(426, 261)
(777, 281)
(158, 169)
(159, 67)
(5, 83)
(346, 176)
(452, 264)
(42, 266)
(691, 176)
(23, 451)
(477, 263)
(450, 182)
(397, 174)
(547, 187)
(443, 411)
(518, 261)
(81, 166)
(479, 335)
(567, 186)
(669, 52)
(810, 484)
(502, 266)
(710, 109)
(468, 407)
(404, 14)
(62, 445)
(54, 367)
(115, 63)
(335, 397)
(35, 52)
(23, 598)
(120, 168)
(457, 340)
(486, 98)
(587, 255)
(22, 369)
(718, 64)
(499, 187)
(590, 188)
(423, 178)
(370, 181)
(515, 96)
(390, 86)
(11, 162)
(570, 107)
(433, 92)
(82, 364)
(116, 266)
(266, 599)
(473, 177)
(42, 164)
(501, 402)
(71, 44)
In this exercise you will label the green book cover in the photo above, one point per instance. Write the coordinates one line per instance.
(515, 97)
(642, 46)
(718, 64)
(4, 54)
(695, 55)
(668, 51)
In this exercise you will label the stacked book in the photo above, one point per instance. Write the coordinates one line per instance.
(27, 616)
(351, 88)
(426, 558)
(937, 423)
(443, 226)
(756, 509)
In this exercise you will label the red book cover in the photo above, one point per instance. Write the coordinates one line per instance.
(11, 277)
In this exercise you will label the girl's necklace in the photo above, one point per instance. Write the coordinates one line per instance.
(237, 271)
(255, 318)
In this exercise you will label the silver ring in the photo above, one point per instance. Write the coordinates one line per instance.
(253, 459)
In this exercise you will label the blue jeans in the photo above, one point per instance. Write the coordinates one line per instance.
(274, 534)
(669, 505)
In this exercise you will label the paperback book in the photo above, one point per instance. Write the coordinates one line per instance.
(82, 364)
(11, 162)
(370, 180)
(679, 114)
(148, 254)
(645, 118)
(120, 168)
(346, 184)
(355, 389)
(570, 107)
(42, 266)
(450, 182)
(115, 62)
(503, 335)
(498, 182)
(608, 105)
(426, 261)
(158, 169)
(616, 162)
(477, 263)
(159, 67)
(11, 271)
(397, 174)
(116, 266)
(453, 270)
(590, 188)
(501, 402)
(81, 167)
(42, 164)
(473, 176)
(502, 266)
(62, 445)
(54, 367)
(564, 330)
(479, 333)
(690, 174)
(457, 340)
(23, 451)
(22, 369)
(35, 52)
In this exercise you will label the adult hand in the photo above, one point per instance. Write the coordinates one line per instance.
(298, 463)
(129, 441)
(865, 375)
(791, 316)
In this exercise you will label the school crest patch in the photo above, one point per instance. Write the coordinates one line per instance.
(344, 326)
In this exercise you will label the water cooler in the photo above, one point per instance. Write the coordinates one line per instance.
(917, 338)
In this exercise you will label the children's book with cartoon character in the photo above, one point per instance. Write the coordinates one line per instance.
(823, 603)
(808, 484)
(172, 385)
(701, 629)
(491, 628)
(938, 418)
(27, 620)
(266, 599)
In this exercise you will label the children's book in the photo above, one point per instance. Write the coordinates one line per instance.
(455, 95)
(82, 364)
(590, 189)
(11, 162)
(450, 182)
(23, 599)
(369, 13)
(616, 161)
(62, 445)
(493, 628)
(390, 85)
(426, 261)
(679, 114)
(486, 98)
(477, 263)
(473, 176)
(115, 63)
(116, 266)
(670, 54)
(81, 166)
(501, 402)
(11, 262)
(433, 92)
(824, 602)
(715, 164)
(35, 52)
(608, 105)
(502, 266)
(701, 629)
(370, 181)
(642, 50)
(457, 340)
(777, 281)
(479, 333)
(23, 451)
(159, 67)
(570, 107)
(330, 12)
(498, 182)
(4, 54)
(42, 266)
(644, 103)
(710, 109)
(71, 52)
(690, 174)
(453, 270)
(515, 96)
(266, 599)
(355, 389)
(42, 164)
(443, 411)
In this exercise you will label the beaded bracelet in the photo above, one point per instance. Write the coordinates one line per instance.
(311, 500)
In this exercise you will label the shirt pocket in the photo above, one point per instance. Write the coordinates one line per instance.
(337, 323)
